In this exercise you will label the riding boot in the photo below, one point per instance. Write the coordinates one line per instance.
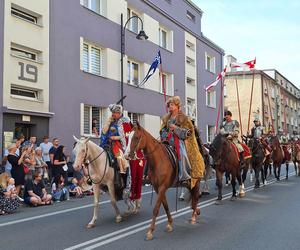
(123, 180)
(242, 160)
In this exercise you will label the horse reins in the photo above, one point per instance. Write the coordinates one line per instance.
(106, 160)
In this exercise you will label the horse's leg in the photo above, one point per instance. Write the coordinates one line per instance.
(233, 183)
(287, 170)
(111, 190)
(265, 171)
(279, 170)
(161, 193)
(275, 170)
(256, 177)
(170, 220)
(298, 163)
(227, 177)
(96, 189)
(195, 198)
(241, 180)
(219, 176)
(262, 174)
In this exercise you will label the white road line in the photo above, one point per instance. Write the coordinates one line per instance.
(122, 233)
(57, 212)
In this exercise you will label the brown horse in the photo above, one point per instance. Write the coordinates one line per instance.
(226, 160)
(162, 174)
(277, 156)
(296, 157)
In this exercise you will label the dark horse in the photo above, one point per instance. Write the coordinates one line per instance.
(277, 156)
(226, 160)
(296, 157)
(162, 174)
(258, 157)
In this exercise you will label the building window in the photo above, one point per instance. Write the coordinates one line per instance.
(92, 119)
(163, 38)
(134, 118)
(94, 5)
(91, 59)
(24, 93)
(167, 80)
(190, 16)
(190, 81)
(23, 53)
(133, 72)
(190, 45)
(23, 15)
(211, 99)
(210, 63)
(191, 108)
(190, 61)
(210, 133)
(133, 24)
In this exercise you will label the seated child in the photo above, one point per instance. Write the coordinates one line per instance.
(11, 191)
(58, 190)
(74, 189)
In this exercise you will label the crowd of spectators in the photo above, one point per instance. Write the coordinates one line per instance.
(39, 174)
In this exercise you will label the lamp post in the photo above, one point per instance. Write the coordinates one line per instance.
(141, 36)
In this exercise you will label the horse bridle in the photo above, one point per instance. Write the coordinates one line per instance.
(145, 155)
(88, 169)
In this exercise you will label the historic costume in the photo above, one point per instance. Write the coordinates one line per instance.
(257, 131)
(191, 164)
(118, 128)
(232, 128)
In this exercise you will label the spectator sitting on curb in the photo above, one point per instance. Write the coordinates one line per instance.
(7, 203)
(35, 192)
(74, 189)
(58, 189)
(11, 191)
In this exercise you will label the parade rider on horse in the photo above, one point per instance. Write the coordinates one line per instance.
(231, 128)
(115, 135)
(257, 132)
(178, 131)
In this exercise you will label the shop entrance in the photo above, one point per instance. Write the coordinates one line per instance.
(25, 129)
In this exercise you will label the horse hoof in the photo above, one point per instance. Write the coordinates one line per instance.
(89, 226)
(218, 202)
(242, 195)
(169, 228)
(233, 198)
(149, 236)
(193, 221)
(118, 219)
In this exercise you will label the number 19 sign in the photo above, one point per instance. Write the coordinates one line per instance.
(28, 72)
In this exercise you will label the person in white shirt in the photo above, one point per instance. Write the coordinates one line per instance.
(45, 146)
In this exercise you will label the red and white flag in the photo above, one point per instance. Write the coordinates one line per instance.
(211, 86)
(246, 66)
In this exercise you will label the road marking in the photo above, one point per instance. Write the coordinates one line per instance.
(122, 233)
(57, 212)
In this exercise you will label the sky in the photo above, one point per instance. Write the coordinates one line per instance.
(266, 29)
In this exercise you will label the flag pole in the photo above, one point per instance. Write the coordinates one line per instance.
(251, 96)
(270, 107)
(163, 86)
(239, 106)
(220, 105)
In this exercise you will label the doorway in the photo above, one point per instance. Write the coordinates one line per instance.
(23, 129)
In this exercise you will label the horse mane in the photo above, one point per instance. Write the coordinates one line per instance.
(217, 142)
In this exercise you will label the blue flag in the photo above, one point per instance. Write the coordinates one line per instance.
(152, 69)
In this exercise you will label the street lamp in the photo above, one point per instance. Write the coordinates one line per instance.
(140, 36)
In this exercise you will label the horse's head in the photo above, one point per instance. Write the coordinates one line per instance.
(80, 152)
(216, 147)
(274, 142)
(136, 142)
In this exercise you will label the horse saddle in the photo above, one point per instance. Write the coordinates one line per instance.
(172, 155)
(246, 151)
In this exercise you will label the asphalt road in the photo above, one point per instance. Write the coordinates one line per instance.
(267, 218)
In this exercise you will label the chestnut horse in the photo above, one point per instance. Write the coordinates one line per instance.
(277, 156)
(162, 173)
(226, 159)
(296, 157)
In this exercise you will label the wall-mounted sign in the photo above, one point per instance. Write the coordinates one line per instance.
(25, 118)
(8, 138)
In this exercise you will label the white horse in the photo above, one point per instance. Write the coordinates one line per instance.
(99, 172)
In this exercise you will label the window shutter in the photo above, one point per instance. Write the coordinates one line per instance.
(95, 61)
(85, 59)
(86, 120)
